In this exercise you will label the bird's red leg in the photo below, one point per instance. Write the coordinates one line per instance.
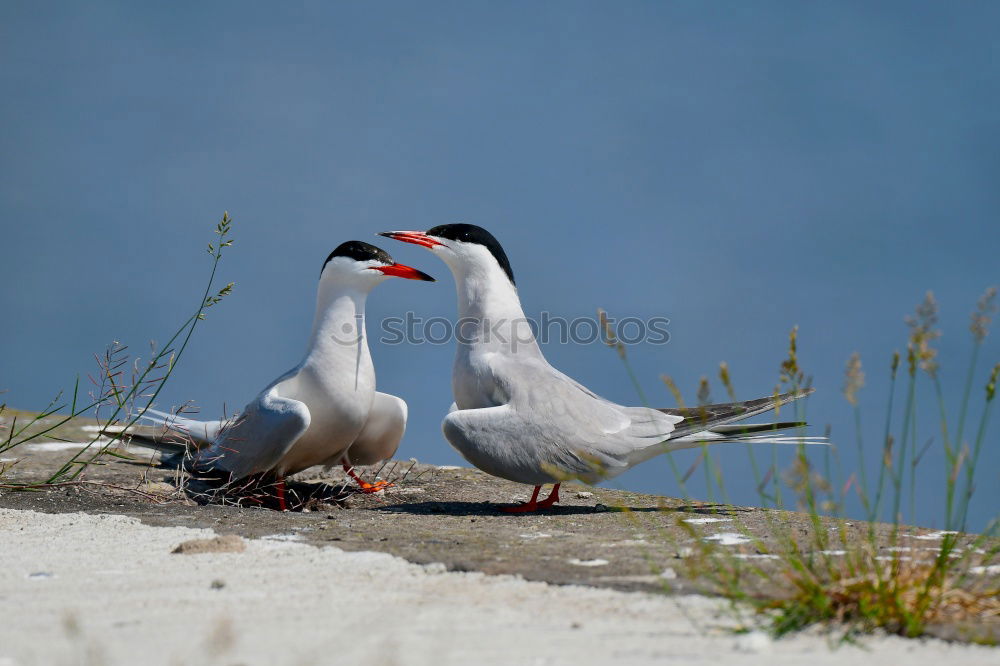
(551, 499)
(530, 505)
(365, 486)
(280, 489)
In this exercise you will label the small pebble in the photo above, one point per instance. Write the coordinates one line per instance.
(755, 641)
(226, 543)
(583, 494)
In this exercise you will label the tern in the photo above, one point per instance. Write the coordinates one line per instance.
(325, 410)
(517, 417)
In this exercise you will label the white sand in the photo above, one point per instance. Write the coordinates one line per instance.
(97, 589)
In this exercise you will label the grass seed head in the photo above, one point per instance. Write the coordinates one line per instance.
(986, 308)
(674, 390)
(704, 392)
(922, 325)
(854, 380)
(610, 339)
(790, 371)
(727, 380)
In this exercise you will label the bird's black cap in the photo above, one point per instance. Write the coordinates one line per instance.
(359, 251)
(470, 233)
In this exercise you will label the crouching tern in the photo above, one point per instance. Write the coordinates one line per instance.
(325, 410)
(517, 417)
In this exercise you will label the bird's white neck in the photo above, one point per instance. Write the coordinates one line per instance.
(338, 329)
(490, 313)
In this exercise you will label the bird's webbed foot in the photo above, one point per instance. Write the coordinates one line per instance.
(533, 504)
(364, 486)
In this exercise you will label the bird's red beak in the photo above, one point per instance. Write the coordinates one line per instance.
(403, 271)
(415, 237)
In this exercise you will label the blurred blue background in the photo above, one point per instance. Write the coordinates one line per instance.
(737, 167)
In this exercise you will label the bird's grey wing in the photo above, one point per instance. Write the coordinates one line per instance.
(613, 424)
(577, 431)
(201, 433)
(382, 432)
(547, 445)
(259, 437)
(501, 442)
(536, 387)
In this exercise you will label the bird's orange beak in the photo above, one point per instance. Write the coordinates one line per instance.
(403, 271)
(415, 237)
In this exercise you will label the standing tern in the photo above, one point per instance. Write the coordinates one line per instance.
(517, 417)
(325, 410)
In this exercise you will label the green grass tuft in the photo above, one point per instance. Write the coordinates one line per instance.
(122, 390)
(855, 577)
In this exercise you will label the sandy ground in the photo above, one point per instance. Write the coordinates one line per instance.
(107, 589)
